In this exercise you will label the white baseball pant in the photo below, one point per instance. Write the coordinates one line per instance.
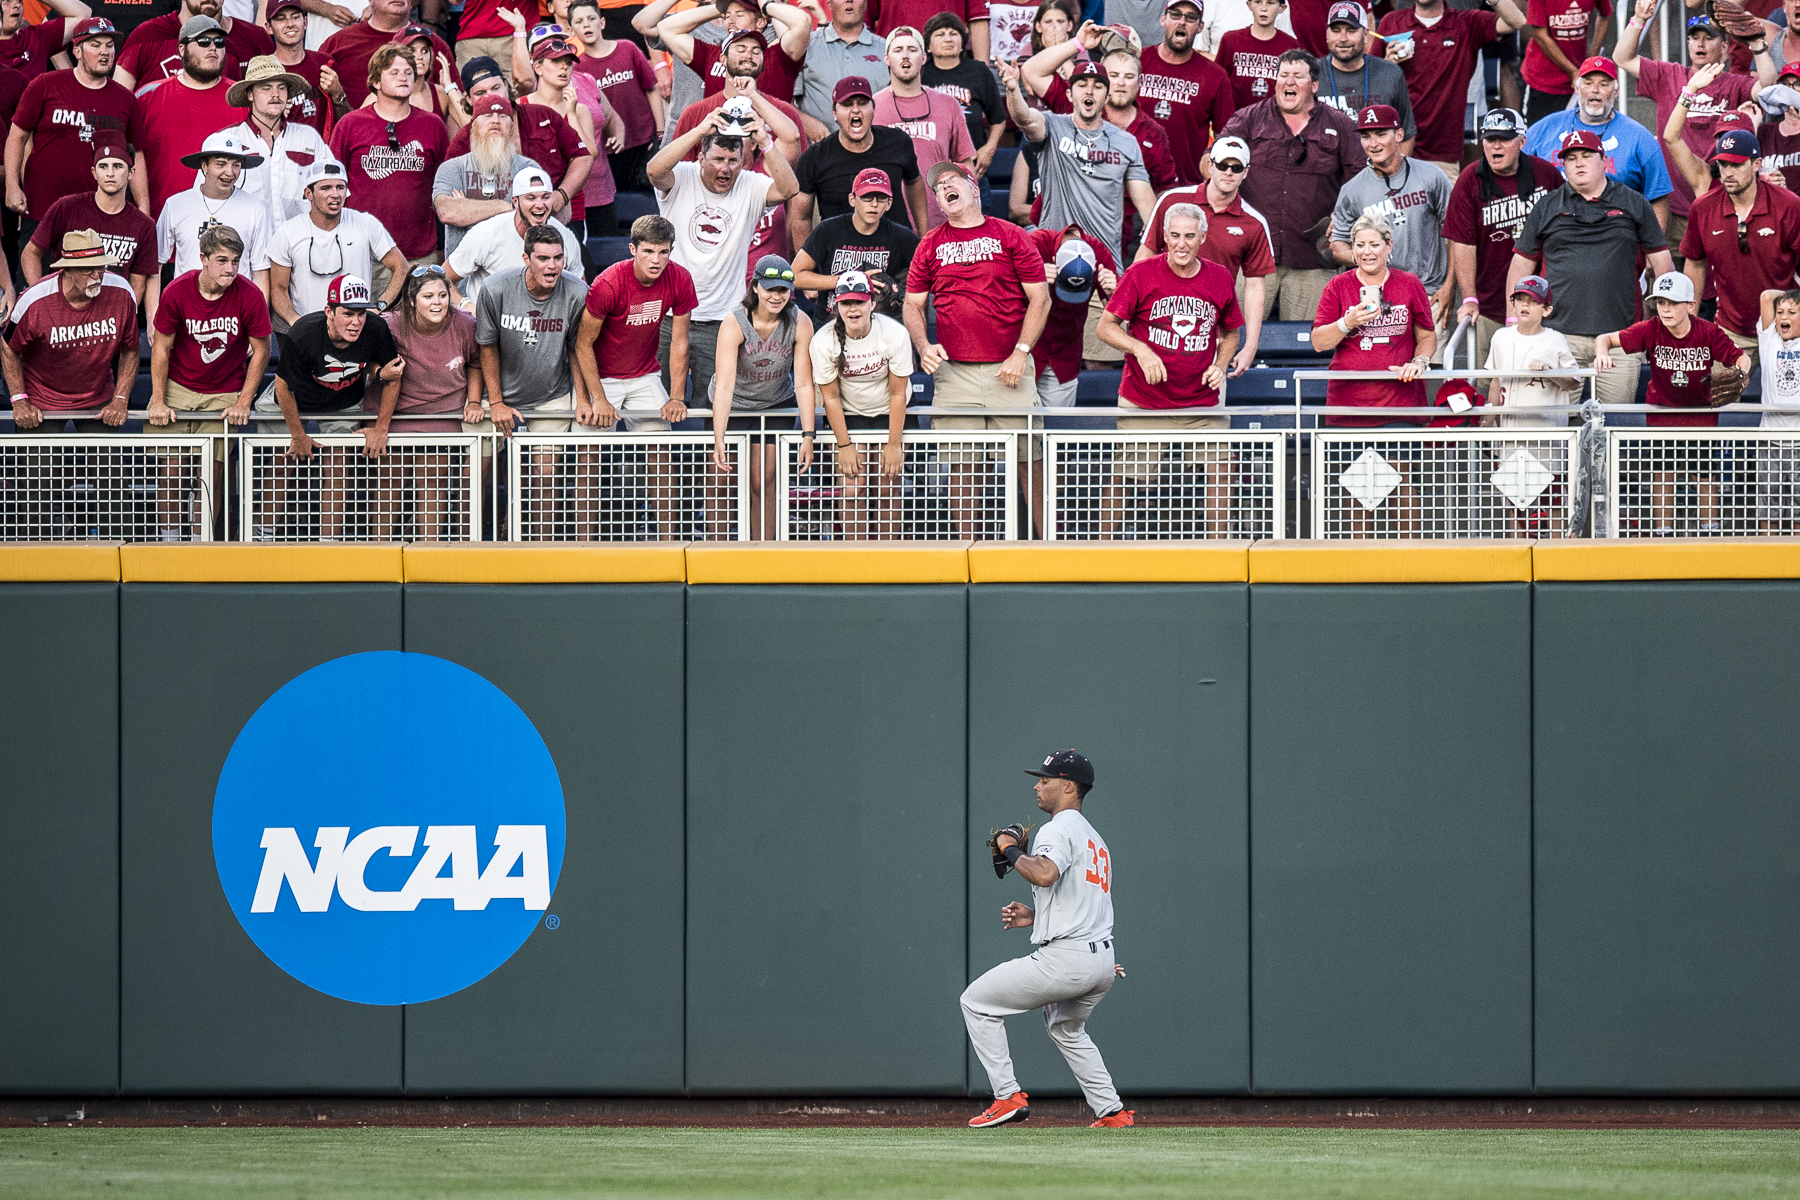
(1066, 980)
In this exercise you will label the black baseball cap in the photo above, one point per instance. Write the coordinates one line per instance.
(1065, 764)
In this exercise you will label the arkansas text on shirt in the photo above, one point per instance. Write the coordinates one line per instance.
(61, 115)
(1191, 99)
(977, 277)
(1181, 319)
(1680, 367)
(1385, 340)
(1252, 63)
(1491, 224)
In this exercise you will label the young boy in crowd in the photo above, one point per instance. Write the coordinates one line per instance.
(1778, 347)
(1528, 345)
(1250, 55)
(1681, 349)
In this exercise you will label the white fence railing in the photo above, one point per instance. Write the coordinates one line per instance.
(427, 487)
(1185, 484)
(106, 487)
(1297, 479)
(949, 486)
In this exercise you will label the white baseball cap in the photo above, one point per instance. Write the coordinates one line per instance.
(531, 179)
(1673, 286)
(324, 168)
(1230, 147)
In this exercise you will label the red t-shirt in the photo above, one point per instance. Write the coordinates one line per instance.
(179, 119)
(1662, 82)
(128, 234)
(1781, 151)
(1386, 341)
(626, 77)
(350, 49)
(313, 108)
(546, 138)
(1059, 348)
(778, 74)
(61, 116)
(1192, 100)
(1569, 24)
(12, 90)
(1492, 227)
(211, 352)
(1251, 63)
(1159, 155)
(633, 312)
(482, 19)
(153, 51)
(1308, 19)
(1438, 73)
(1182, 320)
(977, 277)
(69, 353)
(1680, 367)
(28, 51)
(394, 186)
(1773, 237)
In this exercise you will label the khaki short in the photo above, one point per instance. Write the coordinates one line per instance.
(1142, 463)
(1617, 386)
(1298, 290)
(1748, 346)
(497, 48)
(974, 386)
(1092, 348)
(329, 422)
(185, 400)
(1677, 231)
(533, 424)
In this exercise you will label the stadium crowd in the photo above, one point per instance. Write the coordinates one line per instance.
(407, 203)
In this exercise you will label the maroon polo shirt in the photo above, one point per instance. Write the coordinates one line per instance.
(1295, 178)
(1765, 256)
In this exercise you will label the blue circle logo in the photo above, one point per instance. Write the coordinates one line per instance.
(389, 828)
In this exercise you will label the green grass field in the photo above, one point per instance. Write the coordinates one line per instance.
(1024, 1163)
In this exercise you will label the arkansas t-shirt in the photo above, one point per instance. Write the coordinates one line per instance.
(633, 312)
(28, 51)
(1182, 320)
(211, 352)
(1568, 22)
(1437, 75)
(976, 277)
(1492, 223)
(394, 186)
(1193, 102)
(1386, 340)
(1680, 367)
(1251, 63)
(350, 50)
(626, 77)
(61, 116)
(182, 117)
(1663, 82)
(1781, 151)
(128, 235)
(69, 353)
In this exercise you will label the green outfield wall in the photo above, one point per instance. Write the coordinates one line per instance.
(1474, 818)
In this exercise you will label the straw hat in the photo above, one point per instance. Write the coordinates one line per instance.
(265, 68)
(83, 248)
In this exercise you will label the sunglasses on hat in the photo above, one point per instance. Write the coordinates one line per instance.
(773, 273)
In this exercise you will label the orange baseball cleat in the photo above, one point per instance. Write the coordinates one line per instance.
(1016, 1107)
(1119, 1120)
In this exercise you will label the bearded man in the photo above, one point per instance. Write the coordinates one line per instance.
(472, 187)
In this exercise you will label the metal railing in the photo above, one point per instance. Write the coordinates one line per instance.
(1442, 483)
(949, 486)
(426, 488)
(614, 486)
(1182, 484)
(105, 487)
(1703, 482)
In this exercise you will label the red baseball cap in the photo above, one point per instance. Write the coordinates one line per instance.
(1729, 120)
(743, 35)
(348, 291)
(1598, 63)
(1378, 116)
(493, 102)
(850, 87)
(1087, 70)
(407, 35)
(92, 27)
(553, 47)
(1788, 71)
(111, 147)
(1580, 139)
(873, 180)
(281, 5)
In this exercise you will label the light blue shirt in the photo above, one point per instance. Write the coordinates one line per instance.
(1633, 156)
(830, 58)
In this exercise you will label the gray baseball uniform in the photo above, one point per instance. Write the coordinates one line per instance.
(1070, 972)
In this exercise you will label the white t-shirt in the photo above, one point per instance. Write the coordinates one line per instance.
(1512, 351)
(496, 245)
(319, 28)
(1223, 16)
(277, 181)
(1780, 376)
(713, 235)
(316, 256)
(1079, 904)
(178, 229)
(868, 361)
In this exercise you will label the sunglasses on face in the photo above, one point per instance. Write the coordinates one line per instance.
(210, 43)
(1230, 168)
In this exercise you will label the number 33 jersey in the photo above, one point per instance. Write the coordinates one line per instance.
(1079, 904)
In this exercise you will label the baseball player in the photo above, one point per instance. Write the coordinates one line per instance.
(1072, 968)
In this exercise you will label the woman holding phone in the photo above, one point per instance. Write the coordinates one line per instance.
(1377, 318)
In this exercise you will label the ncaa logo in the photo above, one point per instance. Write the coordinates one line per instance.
(389, 828)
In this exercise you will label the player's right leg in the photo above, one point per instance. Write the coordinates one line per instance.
(1008, 989)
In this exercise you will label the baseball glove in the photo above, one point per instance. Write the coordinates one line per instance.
(1727, 385)
(1737, 20)
(1018, 833)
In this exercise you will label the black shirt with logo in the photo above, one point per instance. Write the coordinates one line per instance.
(327, 378)
(1590, 250)
(826, 171)
(835, 247)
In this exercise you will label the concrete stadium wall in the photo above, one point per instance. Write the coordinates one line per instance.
(1468, 818)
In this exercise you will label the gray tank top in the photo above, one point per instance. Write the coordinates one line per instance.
(765, 366)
